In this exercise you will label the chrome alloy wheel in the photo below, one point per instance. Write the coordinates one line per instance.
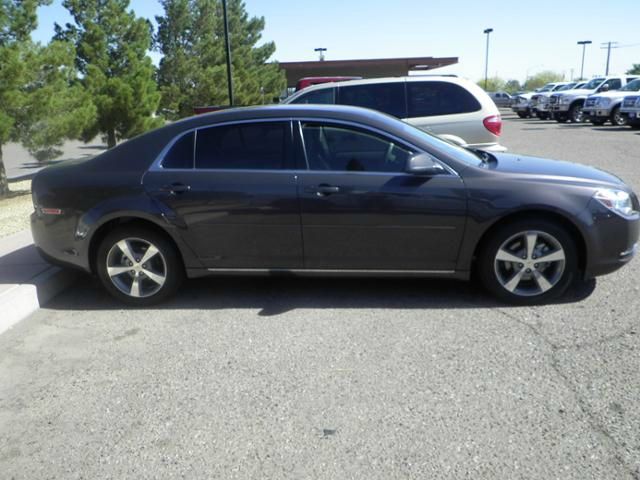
(529, 263)
(136, 267)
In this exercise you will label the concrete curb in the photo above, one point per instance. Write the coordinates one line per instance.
(26, 281)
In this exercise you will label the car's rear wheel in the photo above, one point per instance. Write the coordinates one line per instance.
(617, 118)
(522, 115)
(139, 266)
(528, 262)
(575, 113)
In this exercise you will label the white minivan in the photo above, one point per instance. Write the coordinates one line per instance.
(447, 106)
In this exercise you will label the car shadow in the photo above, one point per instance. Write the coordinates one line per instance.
(611, 129)
(276, 295)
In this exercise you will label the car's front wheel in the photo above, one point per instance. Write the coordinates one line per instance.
(528, 262)
(138, 266)
(575, 113)
(618, 118)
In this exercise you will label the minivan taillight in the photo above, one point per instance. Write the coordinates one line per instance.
(493, 124)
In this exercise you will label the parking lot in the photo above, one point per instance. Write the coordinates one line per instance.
(336, 378)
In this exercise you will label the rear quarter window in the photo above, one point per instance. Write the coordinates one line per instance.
(388, 98)
(324, 96)
(180, 155)
(427, 99)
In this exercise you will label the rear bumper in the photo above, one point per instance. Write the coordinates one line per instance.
(54, 240)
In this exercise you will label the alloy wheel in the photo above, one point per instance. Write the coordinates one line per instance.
(529, 263)
(136, 267)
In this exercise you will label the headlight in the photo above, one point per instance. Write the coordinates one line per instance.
(638, 102)
(603, 102)
(617, 200)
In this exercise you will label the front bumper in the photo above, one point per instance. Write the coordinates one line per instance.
(559, 107)
(612, 240)
(597, 113)
(521, 108)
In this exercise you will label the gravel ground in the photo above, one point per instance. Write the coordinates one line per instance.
(15, 210)
(335, 378)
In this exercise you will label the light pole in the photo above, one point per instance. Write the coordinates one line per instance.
(584, 44)
(320, 51)
(487, 31)
(228, 48)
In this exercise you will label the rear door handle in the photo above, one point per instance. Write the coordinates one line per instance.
(324, 189)
(175, 188)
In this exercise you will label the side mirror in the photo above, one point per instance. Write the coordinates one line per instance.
(604, 88)
(423, 164)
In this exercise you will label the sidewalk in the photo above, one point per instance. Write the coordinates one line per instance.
(27, 282)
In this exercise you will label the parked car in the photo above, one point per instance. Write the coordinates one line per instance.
(453, 108)
(606, 106)
(522, 105)
(328, 190)
(631, 110)
(501, 99)
(568, 105)
(540, 100)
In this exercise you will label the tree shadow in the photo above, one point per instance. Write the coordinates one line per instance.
(277, 295)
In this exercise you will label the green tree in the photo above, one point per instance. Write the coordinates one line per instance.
(494, 84)
(634, 70)
(512, 86)
(41, 102)
(542, 78)
(193, 71)
(112, 45)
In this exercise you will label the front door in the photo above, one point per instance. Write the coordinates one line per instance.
(234, 195)
(360, 210)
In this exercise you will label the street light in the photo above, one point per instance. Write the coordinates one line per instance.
(487, 31)
(320, 51)
(584, 44)
(228, 48)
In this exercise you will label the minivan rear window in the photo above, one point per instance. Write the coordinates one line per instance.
(427, 99)
(324, 96)
(388, 98)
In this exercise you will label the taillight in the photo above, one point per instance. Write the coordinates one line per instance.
(493, 124)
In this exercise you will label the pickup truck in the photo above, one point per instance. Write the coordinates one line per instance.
(540, 101)
(568, 105)
(630, 109)
(605, 106)
(522, 104)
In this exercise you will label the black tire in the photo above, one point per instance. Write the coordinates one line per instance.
(498, 275)
(522, 114)
(617, 119)
(575, 113)
(166, 263)
(543, 115)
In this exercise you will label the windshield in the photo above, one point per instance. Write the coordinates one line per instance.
(632, 86)
(547, 88)
(593, 84)
(568, 86)
(450, 148)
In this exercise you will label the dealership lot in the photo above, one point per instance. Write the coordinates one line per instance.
(284, 378)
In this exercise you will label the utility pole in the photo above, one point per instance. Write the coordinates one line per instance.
(227, 45)
(584, 44)
(320, 51)
(487, 31)
(608, 46)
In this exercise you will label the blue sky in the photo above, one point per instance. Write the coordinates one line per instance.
(526, 39)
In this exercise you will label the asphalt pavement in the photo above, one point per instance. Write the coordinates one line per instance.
(336, 378)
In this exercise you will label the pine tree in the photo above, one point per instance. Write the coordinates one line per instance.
(41, 103)
(193, 71)
(112, 45)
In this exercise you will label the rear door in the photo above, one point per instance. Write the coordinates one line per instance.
(232, 190)
(360, 210)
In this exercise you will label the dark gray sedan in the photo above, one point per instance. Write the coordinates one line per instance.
(328, 190)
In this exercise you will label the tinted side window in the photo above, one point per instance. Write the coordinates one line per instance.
(323, 96)
(243, 146)
(427, 99)
(614, 83)
(340, 148)
(181, 153)
(385, 97)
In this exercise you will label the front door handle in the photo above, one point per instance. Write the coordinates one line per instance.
(175, 188)
(324, 189)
